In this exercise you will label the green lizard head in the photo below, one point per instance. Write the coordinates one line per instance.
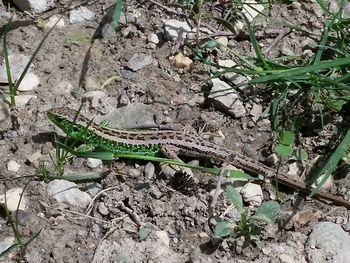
(69, 121)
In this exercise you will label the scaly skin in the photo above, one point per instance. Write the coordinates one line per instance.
(165, 143)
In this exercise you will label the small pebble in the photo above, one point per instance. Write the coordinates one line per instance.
(13, 197)
(149, 170)
(284, 258)
(29, 82)
(102, 209)
(93, 163)
(153, 38)
(32, 159)
(52, 21)
(13, 166)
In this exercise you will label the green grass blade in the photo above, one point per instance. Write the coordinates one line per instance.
(290, 73)
(7, 64)
(117, 13)
(108, 156)
(255, 44)
(331, 164)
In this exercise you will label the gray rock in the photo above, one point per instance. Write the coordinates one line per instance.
(127, 74)
(38, 6)
(103, 209)
(328, 242)
(93, 188)
(225, 98)
(176, 30)
(17, 62)
(81, 14)
(139, 61)
(228, 63)
(255, 112)
(67, 192)
(149, 170)
(6, 243)
(131, 116)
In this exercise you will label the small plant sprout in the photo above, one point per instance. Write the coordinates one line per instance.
(249, 225)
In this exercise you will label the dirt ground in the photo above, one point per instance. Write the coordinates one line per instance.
(75, 60)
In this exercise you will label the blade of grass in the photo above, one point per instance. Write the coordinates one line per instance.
(7, 64)
(331, 164)
(290, 73)
(117, 13)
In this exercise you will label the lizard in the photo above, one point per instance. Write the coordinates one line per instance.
(168, 143)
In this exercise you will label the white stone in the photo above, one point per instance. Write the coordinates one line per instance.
(13, 166)
(153, 38)
(67, 192)
(256, 112)
(284, 258)
(81, 14)
(252, 9)
(252, 194)
(175, 29)
(228, 63)
(6, 243)
(12, 199)
(328, 242)
(223, 41)
(162, 237)
(29, 82)
(38, 6)
(53, 20)
(226, 98)
(23, 99)
(93, 163)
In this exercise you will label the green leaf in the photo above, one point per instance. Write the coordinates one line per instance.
(240, 175)
(331, 164)
(143, 232)
(287, 137)
(267, 212)
(211, 44)
(223, 229)
(235, 198)
(283, 150)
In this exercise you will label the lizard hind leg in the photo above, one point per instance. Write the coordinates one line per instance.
(170, 151)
